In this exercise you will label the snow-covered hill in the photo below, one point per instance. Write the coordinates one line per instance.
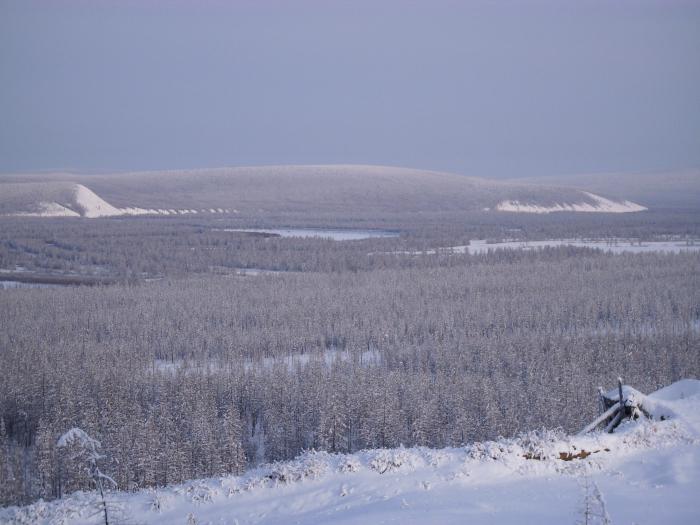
(336, 190)
(648, 472)
(68, 199)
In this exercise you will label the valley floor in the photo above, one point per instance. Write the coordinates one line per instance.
(647, 472)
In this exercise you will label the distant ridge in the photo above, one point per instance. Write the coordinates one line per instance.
(343, 190)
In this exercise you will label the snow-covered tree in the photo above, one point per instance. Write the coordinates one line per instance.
(79, 461)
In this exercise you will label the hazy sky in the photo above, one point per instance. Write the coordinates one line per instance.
(480, 88)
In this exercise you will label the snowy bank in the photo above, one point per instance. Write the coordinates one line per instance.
(646, 472)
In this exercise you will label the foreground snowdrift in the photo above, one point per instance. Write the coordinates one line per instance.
(647, 472)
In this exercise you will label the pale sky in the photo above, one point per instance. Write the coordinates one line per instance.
(500, 89)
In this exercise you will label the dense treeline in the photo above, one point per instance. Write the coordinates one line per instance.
(184, 378)
(134, 248)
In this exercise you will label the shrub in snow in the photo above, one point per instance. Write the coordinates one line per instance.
(309, 465)
(486, 450)
(349, 464)
(198, 491)
(542, 444)
(387, 460)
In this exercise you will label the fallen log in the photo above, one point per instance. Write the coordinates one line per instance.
(608, 414)
(616, 408)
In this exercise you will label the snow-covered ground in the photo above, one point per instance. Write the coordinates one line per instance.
(648, 472)
(327, 358)
(599, 205)
(607, 245)
(336, 235)
(291, 362)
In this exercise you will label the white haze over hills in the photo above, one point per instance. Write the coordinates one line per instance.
(352, 189)
(647, 472)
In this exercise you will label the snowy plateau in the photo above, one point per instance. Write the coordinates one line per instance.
(647, 472)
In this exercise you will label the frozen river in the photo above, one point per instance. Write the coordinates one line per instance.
(607, 245)
(334, 234)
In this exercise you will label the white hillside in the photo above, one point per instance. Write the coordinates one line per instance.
(599, 205)
(62, 199)
(647, 472)
(48, 209)
(66, 199)
(91, 205)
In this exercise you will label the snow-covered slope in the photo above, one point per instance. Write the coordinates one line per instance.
(47, 209)
(648, 472)
(67, 199)
(59, 199)
(599, 205)
(91, 205)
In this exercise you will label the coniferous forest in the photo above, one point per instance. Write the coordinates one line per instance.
(428, 262)
(183, 368)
